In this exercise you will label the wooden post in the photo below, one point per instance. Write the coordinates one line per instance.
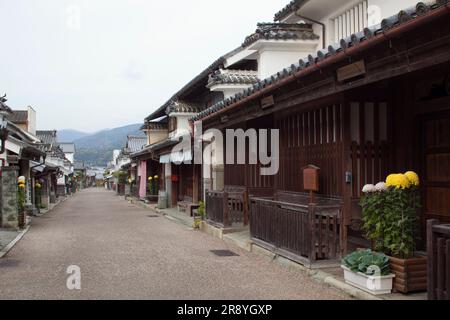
(246, 208)
(431, 251)
(312, 197)
(447, 268)
(346, 166)
(312, 231)
(195, 172)
(440, 269)
(225, 209)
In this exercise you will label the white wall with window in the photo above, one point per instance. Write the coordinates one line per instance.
(342, 18)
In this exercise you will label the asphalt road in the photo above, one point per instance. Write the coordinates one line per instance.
(122, 253)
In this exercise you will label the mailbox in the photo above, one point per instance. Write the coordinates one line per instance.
(311, 178)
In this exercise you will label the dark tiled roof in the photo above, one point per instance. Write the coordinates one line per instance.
(154, 126)
(47, 136)
(188, 87)
(354, 40)
(157, 146)
(232, 77)
(135, 143)
(182, 107)
(56, 151)
(281, 31)
(3, 106)
(294, 5)
(19, 116)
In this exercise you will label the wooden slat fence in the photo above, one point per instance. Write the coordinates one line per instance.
(370, 164)
(310, 232)
(438, 248)
(227, 208)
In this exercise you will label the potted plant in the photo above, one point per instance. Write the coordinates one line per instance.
(153, 185)
(200, 216)
(390, 213)
(21, 201)
(38, 193)
(368, 271)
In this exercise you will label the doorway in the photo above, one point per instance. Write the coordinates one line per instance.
(436, 167)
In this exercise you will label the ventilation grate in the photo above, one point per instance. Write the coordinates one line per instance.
(9, 263)
(224, 253)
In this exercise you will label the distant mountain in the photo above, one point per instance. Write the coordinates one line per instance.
(96, 149)
(70, 135)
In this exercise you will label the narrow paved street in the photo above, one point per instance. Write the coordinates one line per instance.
(124, 253)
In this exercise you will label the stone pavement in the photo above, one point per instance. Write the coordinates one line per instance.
(127, 252)
(6, 236)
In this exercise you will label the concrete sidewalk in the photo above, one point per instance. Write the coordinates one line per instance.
(170, 213)
(9, 238)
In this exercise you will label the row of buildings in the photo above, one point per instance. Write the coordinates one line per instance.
(36, 169)
(359, 89)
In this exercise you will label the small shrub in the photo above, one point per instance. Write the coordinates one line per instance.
(367, 262)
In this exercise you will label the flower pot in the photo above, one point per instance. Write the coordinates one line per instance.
(375, 285)
(410, 274)
(21, 219)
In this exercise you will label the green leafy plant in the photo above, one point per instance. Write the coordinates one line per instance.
(21, 193)
(400, 216)
(201, 209)
(121, 176)
(389, 214)
(368, 262)
(373, 218)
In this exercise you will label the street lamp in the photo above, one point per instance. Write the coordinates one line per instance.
(5, 111)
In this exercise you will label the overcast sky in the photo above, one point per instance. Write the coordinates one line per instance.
(94, 64)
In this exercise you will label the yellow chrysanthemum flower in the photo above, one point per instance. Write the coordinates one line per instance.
(156, 177)
(413, 178)
(21, 186)
(150, 178)
(399, 181)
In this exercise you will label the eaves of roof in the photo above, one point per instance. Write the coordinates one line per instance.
(179, 95)
(403, 21)
(294, 5)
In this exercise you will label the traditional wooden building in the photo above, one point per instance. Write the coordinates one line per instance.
(53, 169)
(376, 103)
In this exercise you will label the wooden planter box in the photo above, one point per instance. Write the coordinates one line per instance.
(410, 274)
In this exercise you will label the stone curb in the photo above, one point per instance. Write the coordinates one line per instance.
(158, 211)
(10, 245)
(318, 275)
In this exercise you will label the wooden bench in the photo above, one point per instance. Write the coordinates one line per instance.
(187, 205)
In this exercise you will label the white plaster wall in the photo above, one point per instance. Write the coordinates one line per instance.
(325, 11)
(70, 157)
(271, 60)
(380, 9)
(183, 125)
(31, 120)
(229, 90)
(155, 136)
